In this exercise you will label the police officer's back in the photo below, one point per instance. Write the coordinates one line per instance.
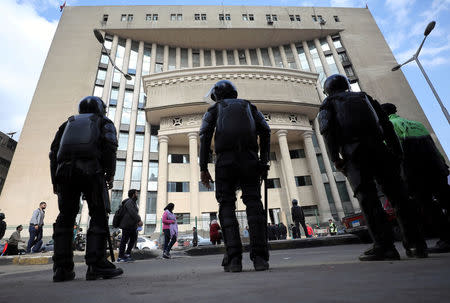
(83, 161)
(237, 124)
(355, 129)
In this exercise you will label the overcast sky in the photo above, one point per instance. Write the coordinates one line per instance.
(27, 29)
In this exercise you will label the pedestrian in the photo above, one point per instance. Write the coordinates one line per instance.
(170, 229)
(332, 229)
(194, 237)
(295, 232)
(271, 232)
(83, 160)
(362, 143)
(214, 232)
(236, 125)
(310, 231)
(245, 233)
(298, 217)
(129, 224)
(2, 225)
(13, 242)
(276, 231)
(426, 173)
(283, 231)
(35, 229)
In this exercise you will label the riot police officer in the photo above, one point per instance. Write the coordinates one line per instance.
(83, 161)
(237, 124)
(354, 128)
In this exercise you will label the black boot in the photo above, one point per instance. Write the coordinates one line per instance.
(103, 269)
(63, 254)
(440, 247)
(260, 264)
(232, 265)
(61, 274)
(231, 237)
(377, 253)
(257, 225)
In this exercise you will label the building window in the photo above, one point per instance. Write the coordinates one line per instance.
(355, 87)
(321, 20)
(123, 141)
(219, 57)
(297, 153)
(152, 171)
(196, 16)
(155, 17)
(324, 44)
(179, 17)
(172, 58)
(183, 218)
(202, 187)
(274, 18)
(116, 199)
(130, 18)
(227, 17)
(342, 189)
(336, 19)
(244, 17)
(302, 57)
(151, 202)
(303, 180)
(291, 17)
(203, 17)
(337, 42)
(297, 18)
(290, 56)
(242, 59)
(177, 187)
(349, 71)
(104, 59)
(120, 170)
(230, 57)
(314, 18)
(136, 171)
(273, 183)
(253, 57)
(265, 57)
(277, 56)
(310, 210)
(123, 18)
(251, 17)
(207, 57)
(321, 163)
(173, 17)
(178, 158)
(195, 58)
(273, 156)
(221, 18)
(98, 91)
(111, 112)
(105, 18)
(344, 58)
(268, 18)
(148, 17)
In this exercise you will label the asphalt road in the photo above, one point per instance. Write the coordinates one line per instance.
(324, 274)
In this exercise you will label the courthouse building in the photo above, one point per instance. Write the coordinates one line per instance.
(278, 58)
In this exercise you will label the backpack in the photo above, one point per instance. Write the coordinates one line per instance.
(118, 215)
(235, 126)
(81, 138)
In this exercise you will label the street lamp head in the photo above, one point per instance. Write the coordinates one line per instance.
(127, 76)
(429, 28)
(396, 67)
(99, 36)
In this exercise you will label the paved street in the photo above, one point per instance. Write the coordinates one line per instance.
(324, 274)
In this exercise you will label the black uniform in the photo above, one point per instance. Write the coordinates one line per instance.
(299, 218)
(237, 166)
(82, 159)
(354, 128)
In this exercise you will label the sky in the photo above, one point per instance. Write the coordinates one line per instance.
(27, 29)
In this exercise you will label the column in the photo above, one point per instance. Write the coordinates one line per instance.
(178, 58)
(335, 55)
(123, 82)
(194, 174)
(225, 57)
(319, 189)
(325, 66)
(132, 131)
(292, 192)
(271, 57)
(202, 57)
(153, 58)
(161, 198)
(110, 71)
(247, 57)
(355, 202)
(297, 60)
(329, 172)
(190, 65)
(260, 59)
(144, 176)
(312, 67)
(236, 57)
(283, 56)
(166, 58)
(213, 57)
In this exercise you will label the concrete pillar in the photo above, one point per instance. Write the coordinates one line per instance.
(178, 58)
(166, 58)
(236, 57)
(260, 59)
(247, 57)
(225, 57)
(153, 58)
(202, 57)
(319, 188)
(110, 71)
(325, 66)
(161, 198)
(144, 176)
(123, 82)
(329, 171)
(190, 65)
(283, 56)
(335, 56)
(194, 174)
(355, 202)
(312, 67)
(297, 60)
(271, 57)
(287, 167)
(213, 57)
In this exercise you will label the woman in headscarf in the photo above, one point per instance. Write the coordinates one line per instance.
(214, 234)
(170, 229)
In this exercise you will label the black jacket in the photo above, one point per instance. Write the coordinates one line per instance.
(2, 228)
(131, 216)
(297, 213)
(209, 123)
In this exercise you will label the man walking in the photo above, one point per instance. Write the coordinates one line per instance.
(35, 228)
(129, 223)
(83, 160)
(237, 124)
(355, 129)
(298, 217)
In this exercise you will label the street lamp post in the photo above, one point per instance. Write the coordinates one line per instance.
(415, 57)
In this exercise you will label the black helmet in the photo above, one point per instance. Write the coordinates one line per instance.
(93, 105)
(294, 202)
(335, 83)
(223, 89)
(389, 108)
(2, 216)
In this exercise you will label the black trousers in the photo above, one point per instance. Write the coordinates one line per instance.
(239, 170)
(169, 241)
(297, 224)
(129, 236)
(93, 188)
(375, 163)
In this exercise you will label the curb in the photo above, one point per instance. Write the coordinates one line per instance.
(282, 244)
(77, 258)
